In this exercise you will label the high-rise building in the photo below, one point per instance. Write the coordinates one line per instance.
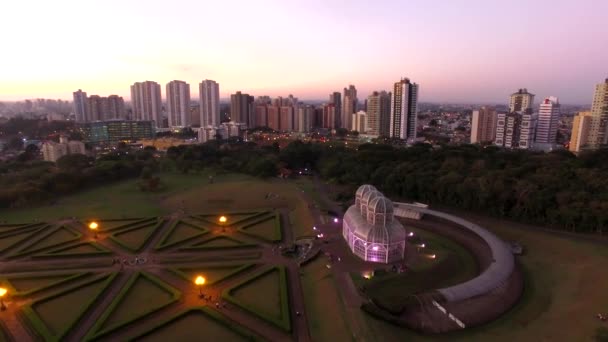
(105, 108)
(115, 108)
(521, 101)
(335, 98)
(195, 115)
(80, 106)
(51, 151)
(304, 118)
(483, 125)
(178, 103)
(286, 119)
(527, 130)
(507, 128)
(146, 102)
(273, 113)
(241, 108)
(379, 113)
(261, 116)
(580, 131)
(404, 109)
(548, 120)
(95, 108)
(598, 132)
(329, 116)
(349, 106)
(359, 122)
(209, 96)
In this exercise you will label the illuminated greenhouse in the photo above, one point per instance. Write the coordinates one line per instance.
(370, 229)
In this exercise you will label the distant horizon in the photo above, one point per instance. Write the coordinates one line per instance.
(462, 51)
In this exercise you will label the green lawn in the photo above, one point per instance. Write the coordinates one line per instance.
(262, 294)
(193, 326)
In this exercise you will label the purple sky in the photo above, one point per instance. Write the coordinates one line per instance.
(457, 50)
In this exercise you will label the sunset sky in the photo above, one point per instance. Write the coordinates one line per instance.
(457, 50)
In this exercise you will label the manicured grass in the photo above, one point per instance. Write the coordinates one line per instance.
(56, 237)
(181, 231)
(264, 294)
(26, 285)
(14, 239)
(323, 305)
(51, 317)
(219, 242)
(266, 228)
(133, 239)
(142, 295)
(198, 324)
(81, 248)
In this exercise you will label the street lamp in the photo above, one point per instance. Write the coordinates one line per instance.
(93, 226)
(2, 293)
(223, 219)
(200, 281)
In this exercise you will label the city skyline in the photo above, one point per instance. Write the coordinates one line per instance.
(461, 52)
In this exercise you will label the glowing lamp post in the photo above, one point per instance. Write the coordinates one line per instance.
(2, 293)
(93, 226)
(200, 281)
(223, 219)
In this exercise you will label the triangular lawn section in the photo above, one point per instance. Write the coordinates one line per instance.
(56, 237)
(179, 232)
(142, 295)
(81, 248)
(265, 295)
(7, 229)
(119, 224)
(233, 218)
(213, 274)
(218, 242)
(266, 228)
(55, 315)
(193, 324)
(134, 239)
(26, 285)
(16, 238)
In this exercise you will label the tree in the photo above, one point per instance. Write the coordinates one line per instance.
(341, 132)
(74, 162)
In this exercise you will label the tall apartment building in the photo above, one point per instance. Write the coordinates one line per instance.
(80, 106)
(359, 122)
(483, 125)
(329, 116)
(286, 119)
(178, 104)
(507, 129)
(349, 106)
(598, 131)
(579, 139)
(404, 109)
(335, 98)
(304, 118)
(261, 116)
(241, 108)
(548, 120)
(115, 108)
(209, 97)
(379, 113)
(521, 101)
(52, 151)
(273, 117)
(105, 108)
(146, 102)
(527, 130)
(95, 108)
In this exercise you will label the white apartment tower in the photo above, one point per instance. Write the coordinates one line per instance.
(521, 101)
(404, 108)
(483, 125)
(548, 119)
(598, 130)
(178, 104)
(209, 95)
(80, 106)
(146, 102)
(349, 106)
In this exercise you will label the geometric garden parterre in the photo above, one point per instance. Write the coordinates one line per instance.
(134, 279)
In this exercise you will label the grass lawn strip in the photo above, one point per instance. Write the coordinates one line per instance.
(49, 316)
(219, 242)
(16, 238)
(197, 324)
(213, 274)
(138, 236)
(283, 319)
(27, 285)
(8, 229)
(113, 318)
(180, 232)
(129, 225)
(80, 249)
(268, 228)
(53, 238)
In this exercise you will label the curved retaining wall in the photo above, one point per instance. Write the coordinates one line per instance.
(494, 276)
